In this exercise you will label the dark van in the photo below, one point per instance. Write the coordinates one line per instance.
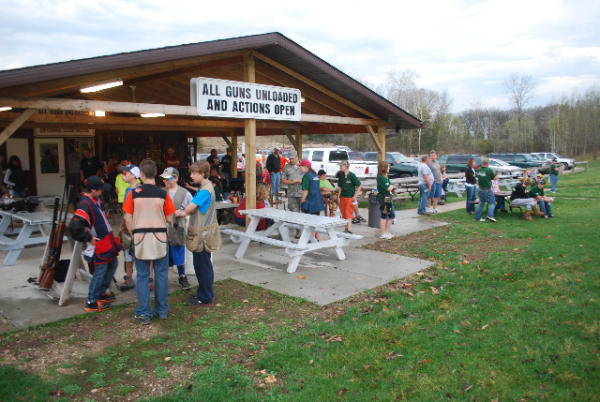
(521, 160)
(457, 163)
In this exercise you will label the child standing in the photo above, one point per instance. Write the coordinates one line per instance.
(90, 224)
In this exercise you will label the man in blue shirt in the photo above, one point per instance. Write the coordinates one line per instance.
(425, 182)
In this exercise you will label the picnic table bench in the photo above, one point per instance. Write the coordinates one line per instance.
(283, 222)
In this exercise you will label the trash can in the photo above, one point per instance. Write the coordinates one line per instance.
(374, 211)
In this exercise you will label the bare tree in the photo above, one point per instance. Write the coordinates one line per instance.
(520, 89)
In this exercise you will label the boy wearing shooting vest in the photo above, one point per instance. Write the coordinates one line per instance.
(203, 236)
(130, 176)
(176, 230)
(90, 224)
(148, 209)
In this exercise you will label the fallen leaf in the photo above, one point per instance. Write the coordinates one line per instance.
(462, 277)
(409, 293)
(476, 233)
(261, 309)
(434, 291)
(548, 237)
(424, 361)
(270, 379)
(562, 255)
(458, 332)
(244, 301)
(465, 261)
(167, 359)
(335, 338)
(384, 308)
(549, 258)
(311, 361)
(579, 280)
(515, 349)
(419, 274)
(302, 277)
(393, 356)
(340, 392)
(515, 249)
(485, 326)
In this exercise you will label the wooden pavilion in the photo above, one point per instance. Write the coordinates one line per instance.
(158, 81)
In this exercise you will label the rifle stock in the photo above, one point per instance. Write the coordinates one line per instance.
(48, 279)
(50, 242)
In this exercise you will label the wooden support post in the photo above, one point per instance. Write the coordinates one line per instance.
(234, 155)
(299, 142)
(375, 139)
(381, 131)
(18, 122)
(292, 140)
(250, 140)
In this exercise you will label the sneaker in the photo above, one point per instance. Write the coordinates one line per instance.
(360, 218)
(430, 210)
(423, 213)
(553, 192)
(106, 298)
(355, 221)
(347, 231)
(128, 283)
(491, 219)
(437, 211)
(394, 222)
(383, 236)
(194, 302)
(472, 212)
(96, 306)
(183, 282)
(389, 235)
(142, 319)
(552, 216)
(163, 318)
(503, 210)
(151, 284)
(480, 220)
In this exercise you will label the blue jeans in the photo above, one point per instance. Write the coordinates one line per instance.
(545, 207)
(471, 197)
(161, 286)
(485, 196)
(423, 198)
(103, 274)
(499, 204)
(205, 275)
(275, 184)
(553, 180)
(445, 184)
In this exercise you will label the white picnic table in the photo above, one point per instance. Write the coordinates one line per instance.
(456, 186)
(33, 221)
(284, 221)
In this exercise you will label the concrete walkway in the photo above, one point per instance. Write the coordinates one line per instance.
(326, 279)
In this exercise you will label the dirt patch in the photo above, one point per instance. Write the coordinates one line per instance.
(471, 246)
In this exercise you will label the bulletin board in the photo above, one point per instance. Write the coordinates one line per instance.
(19, 147)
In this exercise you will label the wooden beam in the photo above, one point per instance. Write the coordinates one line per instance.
(292, 140)
(128, 73)
(382, 131)
(315, 85)
(374, 138)
(226, 139)
(18, 122)
(317, 118)
(299, 142)
(250, 140)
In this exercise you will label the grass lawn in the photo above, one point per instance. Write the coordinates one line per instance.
(509, 312)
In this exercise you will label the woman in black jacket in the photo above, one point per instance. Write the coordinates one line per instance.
(471, 185)
(14, 176)
(521, 197)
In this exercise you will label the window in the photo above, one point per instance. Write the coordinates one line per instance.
(519, 158)
(317, 156)
(371, 156)
(454, 159)
(334, 156)
(441, 160)
(305, 154)
(478, 160)
(508, 157)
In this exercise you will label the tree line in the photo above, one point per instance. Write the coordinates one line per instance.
(568, 125)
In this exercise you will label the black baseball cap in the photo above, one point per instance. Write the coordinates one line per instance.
(96, 183)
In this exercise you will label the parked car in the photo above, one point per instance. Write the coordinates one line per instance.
(457, 163)
(521, 160)
(328, 159)
(356, 156)
(400, 166)
(202, 157)
(567, 163)
(345, 148)
(505, 168)
(544, 169)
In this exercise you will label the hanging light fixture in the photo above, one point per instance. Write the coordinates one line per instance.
(5, 108)
(153, 115)
(102, 85)
(100, 113)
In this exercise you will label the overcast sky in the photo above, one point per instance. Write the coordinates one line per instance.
(466, 47)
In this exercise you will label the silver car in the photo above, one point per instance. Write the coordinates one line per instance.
(505, 168)
(567, 163)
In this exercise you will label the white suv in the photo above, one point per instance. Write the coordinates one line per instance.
(567, 163)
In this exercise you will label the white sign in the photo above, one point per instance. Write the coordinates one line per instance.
(243, 100)
(63, 132)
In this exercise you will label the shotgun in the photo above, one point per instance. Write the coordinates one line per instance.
(48, 279)
(50, 241)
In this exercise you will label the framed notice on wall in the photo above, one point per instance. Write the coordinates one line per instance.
(243, 100)
(63, 132)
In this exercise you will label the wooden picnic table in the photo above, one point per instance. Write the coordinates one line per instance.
(411, 189)
(286, 221)
(41, 221)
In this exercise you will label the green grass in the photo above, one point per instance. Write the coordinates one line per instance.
(509, 311)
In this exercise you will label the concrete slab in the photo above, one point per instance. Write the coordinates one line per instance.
(327, 279)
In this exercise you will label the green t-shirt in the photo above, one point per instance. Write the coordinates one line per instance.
(348, 184)
(226, 164)
(383, 183)
(554, 169)
(485, 176)
(306, 183)
(326, 184)
(534, 191)
(218, 194)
